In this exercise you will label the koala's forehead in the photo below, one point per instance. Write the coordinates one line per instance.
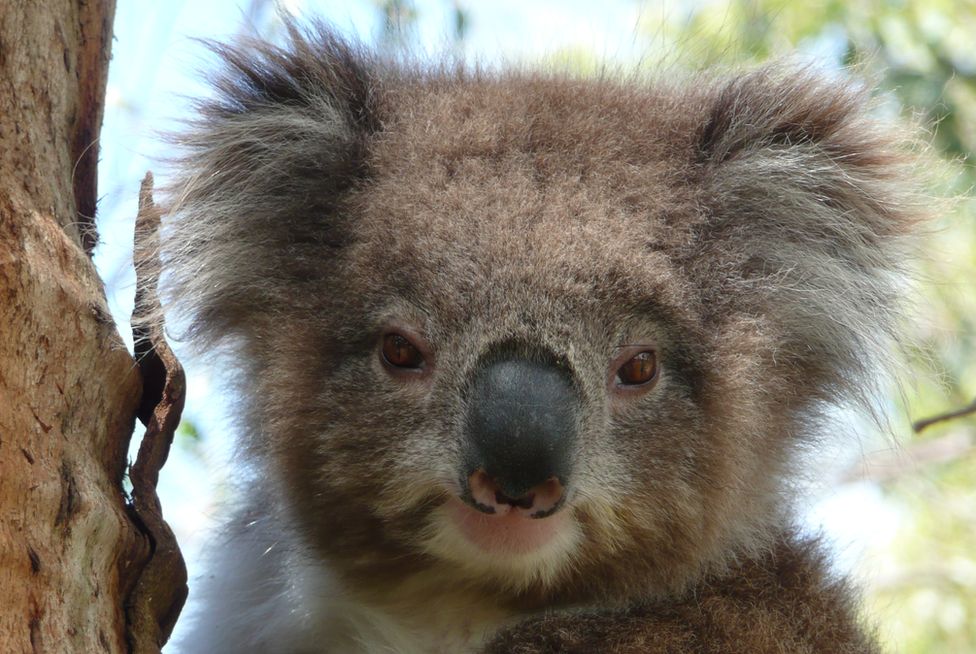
(553, 186)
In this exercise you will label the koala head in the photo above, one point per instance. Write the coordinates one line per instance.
(544, 335)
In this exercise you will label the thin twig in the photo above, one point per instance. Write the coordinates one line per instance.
(969, 409)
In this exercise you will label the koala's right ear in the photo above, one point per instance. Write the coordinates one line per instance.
(254, 211)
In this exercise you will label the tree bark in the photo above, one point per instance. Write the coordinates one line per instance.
(70, 552)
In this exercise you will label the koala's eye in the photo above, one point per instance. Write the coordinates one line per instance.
(399, 352)
(638, 370)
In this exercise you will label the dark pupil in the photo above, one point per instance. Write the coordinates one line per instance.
(401, 353)
(638, 370)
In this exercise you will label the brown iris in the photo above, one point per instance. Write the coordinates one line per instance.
(401, 353)
(639, 369)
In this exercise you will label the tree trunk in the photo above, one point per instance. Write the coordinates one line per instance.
(71, 552)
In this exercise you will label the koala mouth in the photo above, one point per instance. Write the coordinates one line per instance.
(500, 524)
(510, 532)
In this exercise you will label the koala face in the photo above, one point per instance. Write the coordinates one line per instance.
(543, 336)
(505, 382)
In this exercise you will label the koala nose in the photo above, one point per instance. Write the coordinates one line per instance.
(521, 429)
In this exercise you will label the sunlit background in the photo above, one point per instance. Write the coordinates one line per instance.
(898, 509)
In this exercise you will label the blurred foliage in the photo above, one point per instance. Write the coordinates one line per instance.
(398, 20)
(924, 591)
(188, 432)
(922, 53)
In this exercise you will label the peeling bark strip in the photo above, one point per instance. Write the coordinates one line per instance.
(158, 593)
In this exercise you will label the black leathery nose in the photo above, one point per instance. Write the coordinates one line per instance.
(521, 424)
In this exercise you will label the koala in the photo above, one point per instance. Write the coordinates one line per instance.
(525, 361)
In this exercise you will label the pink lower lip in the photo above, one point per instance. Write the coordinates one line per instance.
(512, 533)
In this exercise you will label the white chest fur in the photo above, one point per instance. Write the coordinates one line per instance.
(272, 599)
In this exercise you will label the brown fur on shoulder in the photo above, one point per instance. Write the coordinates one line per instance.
(785, 602)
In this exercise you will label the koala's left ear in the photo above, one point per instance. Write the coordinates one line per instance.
(806, 202)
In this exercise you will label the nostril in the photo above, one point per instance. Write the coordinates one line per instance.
(488, 497)
(484, 492)
(547, 498)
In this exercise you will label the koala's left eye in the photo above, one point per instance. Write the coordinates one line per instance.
(399, 352)
(638, 370)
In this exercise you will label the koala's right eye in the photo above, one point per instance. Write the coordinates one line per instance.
(400, 353)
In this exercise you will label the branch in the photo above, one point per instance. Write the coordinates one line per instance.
(970, 408)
